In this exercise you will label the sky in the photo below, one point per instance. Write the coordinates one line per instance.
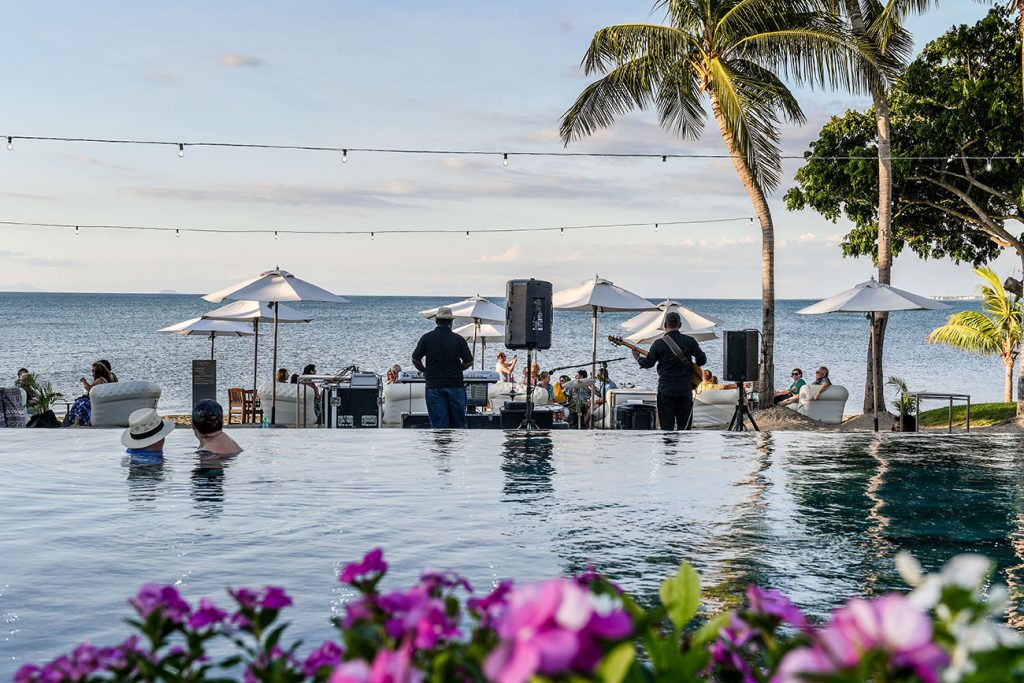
(450, 74)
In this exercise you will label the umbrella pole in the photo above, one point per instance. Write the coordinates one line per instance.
(593, 368)
(273, 387)
(476, 331)
(211, 346)
(483, 352)
(874, 385)
(255, 363)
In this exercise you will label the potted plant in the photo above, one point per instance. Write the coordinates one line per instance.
(903, 405)
(41, 397)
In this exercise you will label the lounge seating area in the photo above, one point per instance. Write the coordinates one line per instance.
(112, 403)
(829, 406)
(295, 404)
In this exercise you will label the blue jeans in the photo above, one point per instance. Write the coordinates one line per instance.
(446, 407)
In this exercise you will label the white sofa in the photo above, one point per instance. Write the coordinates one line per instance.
(112, 403)
(711, 409)
(411, 398)
(828, 408)
(295, 403)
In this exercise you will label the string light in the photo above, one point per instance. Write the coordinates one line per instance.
(372, 233)
(504, 161)
(988, 165)
(655, 227)
(474, 152)
(344, 156)
(177, 233)
(181, 150)
(372, 237)
(10, 143)
(561, 232)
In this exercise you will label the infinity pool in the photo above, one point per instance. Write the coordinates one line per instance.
(817, 515)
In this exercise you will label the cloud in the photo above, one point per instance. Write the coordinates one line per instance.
(40, 261)
(282, 195)
(242, 60)
(508, 255)
(93, 161)
(26, 195)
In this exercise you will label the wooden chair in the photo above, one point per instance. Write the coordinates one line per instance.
(236, 405)
(253, 411)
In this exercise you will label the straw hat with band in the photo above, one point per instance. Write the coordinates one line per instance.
(444, 313)
(145, 428)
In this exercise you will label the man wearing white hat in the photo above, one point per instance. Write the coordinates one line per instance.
(146, 433)
(447, 356)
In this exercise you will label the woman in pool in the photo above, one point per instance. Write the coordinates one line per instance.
(81, 412)
(208, 426)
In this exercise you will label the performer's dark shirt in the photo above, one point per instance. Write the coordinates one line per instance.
(446, 353)
(674, 374)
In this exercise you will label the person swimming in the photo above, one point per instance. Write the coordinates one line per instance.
(208, 426)
(145, 436)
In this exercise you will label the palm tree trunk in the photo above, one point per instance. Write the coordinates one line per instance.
(766, 380)
(1008, 381)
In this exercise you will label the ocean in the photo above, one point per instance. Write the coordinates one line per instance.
(58, 336)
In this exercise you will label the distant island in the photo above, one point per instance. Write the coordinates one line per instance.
(167, 291)
(969, 297)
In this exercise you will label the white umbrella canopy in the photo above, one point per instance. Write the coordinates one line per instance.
(257, 312)
(275, 286)
(873, 297)
(208, 328)
(654, 332)
(691, 319)
(485, 332)
(597, 295)
(475, 308)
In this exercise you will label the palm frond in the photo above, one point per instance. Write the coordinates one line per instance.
(968, 331)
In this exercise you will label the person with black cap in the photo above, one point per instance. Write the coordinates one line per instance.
(208, 426)
(447, 356)
(676, 356)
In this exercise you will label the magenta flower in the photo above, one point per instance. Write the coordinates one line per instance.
(245, 597)
(207, 614)
(274, 597)
(552, 628)
(417, 613)
(164, 599)
(770, 603)
(372, 566)
(491, 605)
(328, 654)
(354, 671)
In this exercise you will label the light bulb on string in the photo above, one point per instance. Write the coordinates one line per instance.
(372, 237)
(177, 232)
(664, 158)
(655, 227)
(275, 234)
(181, 150)
(467, 234)
(10, 143)
(344, 156)
(504, 159)
(988, 165)
(561, 231)
(76, 229)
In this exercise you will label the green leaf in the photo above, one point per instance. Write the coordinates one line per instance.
(709, 631)
(616, 664)
(680, 594)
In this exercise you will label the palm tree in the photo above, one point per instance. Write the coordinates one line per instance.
(729, 54)
(878, 25)
(996, 331)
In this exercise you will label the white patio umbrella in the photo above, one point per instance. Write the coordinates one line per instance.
(485, 332)
(691, 319)
(475, 309)
(275, 286)
(208, 328)
(655, 331)
(597, 295)
(873, 297)
(256, 312)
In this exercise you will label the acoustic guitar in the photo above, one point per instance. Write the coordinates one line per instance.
(696, 376)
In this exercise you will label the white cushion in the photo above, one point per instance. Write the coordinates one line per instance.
(403, 398)
(289, 409)
(113, 402)
(827, 408)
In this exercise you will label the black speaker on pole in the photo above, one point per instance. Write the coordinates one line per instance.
(528, 314)
(741, 355)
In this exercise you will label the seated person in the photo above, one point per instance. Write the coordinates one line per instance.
(821, 381)
(545, 383)
(208, 426)
(558, 390)
(145, 436)
(27, 382)
(393, 373)
(791, 395)
(709, 382)
(282, 376)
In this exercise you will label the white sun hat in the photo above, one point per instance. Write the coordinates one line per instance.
(145, 428)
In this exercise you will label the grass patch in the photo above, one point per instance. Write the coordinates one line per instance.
(982, 415)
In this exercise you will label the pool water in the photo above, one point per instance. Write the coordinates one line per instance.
(819, 516)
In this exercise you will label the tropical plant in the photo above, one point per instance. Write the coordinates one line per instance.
(993, 331)
(903, 402)
(731, 55)
(879, 25)
(564, 631)
(41, 395)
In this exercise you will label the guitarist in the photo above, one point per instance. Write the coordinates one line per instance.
(675, 355)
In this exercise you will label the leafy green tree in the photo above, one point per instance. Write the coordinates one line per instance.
(994, 331)
(957, 138)
(730, 55)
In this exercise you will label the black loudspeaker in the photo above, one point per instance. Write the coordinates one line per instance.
(528, 314)
(741, 355)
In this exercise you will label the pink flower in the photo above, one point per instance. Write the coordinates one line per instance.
(388, 667)
(372, 564)
(274, 597)
(416, 612)
(552, 628)
(355, 671)
(772, 603)
(492, 604)
(207, 614)
(328, 654)
(245, 597)
(164, 599)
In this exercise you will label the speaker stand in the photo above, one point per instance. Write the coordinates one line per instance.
(528, 424)
(742, 412)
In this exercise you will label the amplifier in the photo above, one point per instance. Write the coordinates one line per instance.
(351, 406)
(409, 377)
(473, 421)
